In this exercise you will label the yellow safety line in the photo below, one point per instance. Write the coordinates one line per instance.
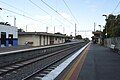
(80, 60)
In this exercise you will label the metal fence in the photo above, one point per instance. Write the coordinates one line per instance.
(113, 41)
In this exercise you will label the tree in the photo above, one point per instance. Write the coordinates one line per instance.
(78, 37)
(21, 30)
(112, 26)
(5, 23)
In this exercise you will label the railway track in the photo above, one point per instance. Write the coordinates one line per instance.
(35, 68)
(45, 70)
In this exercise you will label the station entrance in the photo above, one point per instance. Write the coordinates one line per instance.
(10, 39)
(3, 38)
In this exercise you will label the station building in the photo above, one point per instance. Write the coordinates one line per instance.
(40, 38)
(97, 37)
(8, 36)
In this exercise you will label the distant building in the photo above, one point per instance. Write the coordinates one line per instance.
(40, 38)
(97, 37)
(8, 35)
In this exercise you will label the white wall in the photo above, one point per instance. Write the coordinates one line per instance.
(45, 40)
(36, 40)
(55, 40)
(48, 40)
(59, 40)
(9, 30)
(29, 38)
(63, 40)
(42, 40)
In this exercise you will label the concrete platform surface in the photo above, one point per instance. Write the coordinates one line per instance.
(13, 48)
(100, 64)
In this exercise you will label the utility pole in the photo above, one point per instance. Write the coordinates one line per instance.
(94, 26)
(75, 29)
(63, 30)
(26, 28)
(14, 21)
(106, 21)
(54, 29)
(46, 29)
(100, 27)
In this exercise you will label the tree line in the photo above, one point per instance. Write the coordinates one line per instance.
(112, 26)
(5, 23)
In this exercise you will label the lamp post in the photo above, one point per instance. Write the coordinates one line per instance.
(100, 34)
(71, 33)
(106, 20)
(14, 20)
(100, 27)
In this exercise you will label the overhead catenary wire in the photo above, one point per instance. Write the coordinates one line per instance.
(56, 12)
(116, 7)
(14, 7)
(59, 21)
(18, 10)
(1, 18)
(21, 15)
(70, 11)
(43, 10)
(38, 7)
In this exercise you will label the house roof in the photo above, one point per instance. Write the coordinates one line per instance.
(41, 33)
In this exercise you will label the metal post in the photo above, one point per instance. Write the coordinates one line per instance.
(54, 29)
(100, 27)
(94, 26)
(63, 30)
(106, 21)
(46, 29)
(14, 21)
(26, 28)
(75, 30)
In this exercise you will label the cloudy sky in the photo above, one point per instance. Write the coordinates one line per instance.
(38, 16)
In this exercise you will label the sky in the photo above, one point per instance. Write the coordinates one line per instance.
(84, 14)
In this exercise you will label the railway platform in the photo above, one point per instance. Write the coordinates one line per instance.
(13, 48)
(94, 63)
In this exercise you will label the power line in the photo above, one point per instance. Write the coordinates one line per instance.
(14, 7)
(19, 10)
(1, 18)
(70, 11)
(59, 21)
(56, 11)
(21, 15)
(116, 7)
(39, 7)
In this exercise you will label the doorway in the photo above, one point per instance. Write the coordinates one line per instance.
(10, 38)
(3, 38)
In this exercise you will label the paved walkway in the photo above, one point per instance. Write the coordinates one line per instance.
(100, 64)
(97, 63)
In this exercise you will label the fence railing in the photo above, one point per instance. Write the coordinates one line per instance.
(113, 41)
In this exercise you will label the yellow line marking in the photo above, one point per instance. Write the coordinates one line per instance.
(80, 60)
